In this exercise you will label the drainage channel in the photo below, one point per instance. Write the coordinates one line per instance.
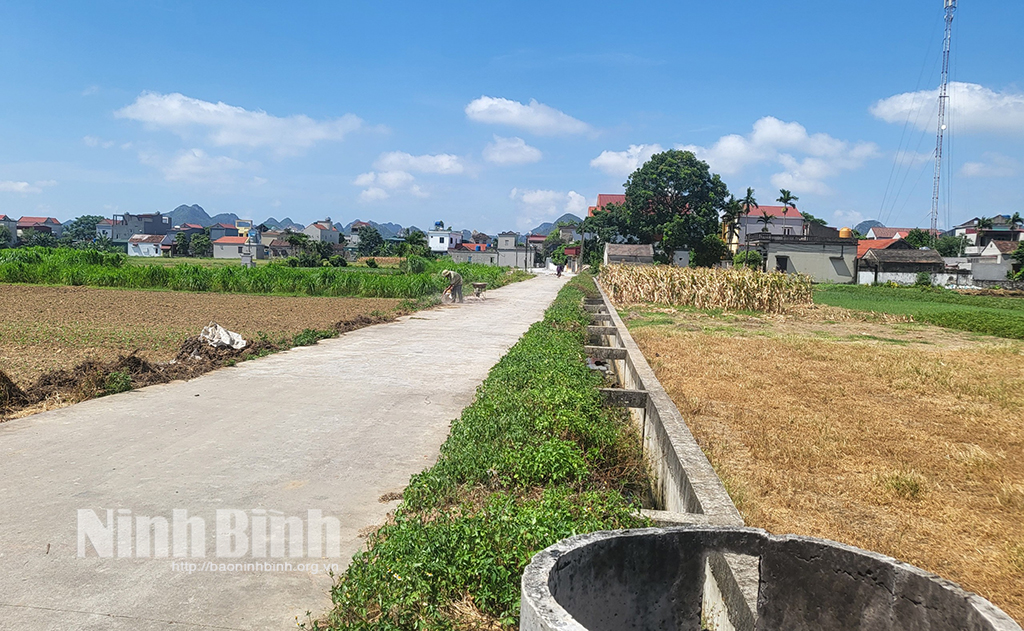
(685, 491)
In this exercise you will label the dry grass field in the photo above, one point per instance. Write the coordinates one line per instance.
(48, 328)
(884, 434)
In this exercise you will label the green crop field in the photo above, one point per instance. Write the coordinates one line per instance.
(62, 266)
(1002, 316)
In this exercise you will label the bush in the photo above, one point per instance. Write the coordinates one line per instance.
(338, 261)
(749, 258)
(371, 263)
(924, 279)
(414, 265)
(117, 381)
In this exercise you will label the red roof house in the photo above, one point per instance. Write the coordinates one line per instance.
(603, 200)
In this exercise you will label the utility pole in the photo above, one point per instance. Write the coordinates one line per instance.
(950, 6)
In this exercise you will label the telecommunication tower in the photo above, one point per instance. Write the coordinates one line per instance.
(950, 6)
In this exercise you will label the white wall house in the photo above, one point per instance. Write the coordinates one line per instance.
(322, 231)
(994, 261)
(782, 223)
(235, 247)
(441, 241)
(147, 244)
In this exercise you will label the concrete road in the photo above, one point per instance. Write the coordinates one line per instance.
(327, 428)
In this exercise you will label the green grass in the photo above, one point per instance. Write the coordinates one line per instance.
(1000, 316)
(534, 459)
(62, 266)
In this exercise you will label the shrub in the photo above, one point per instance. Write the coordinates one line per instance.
(338, 261)
(414, 265)
(371, 263)
(924, 279)
(117, 381)
(749, 258)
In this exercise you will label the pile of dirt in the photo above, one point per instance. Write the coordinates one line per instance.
(195, 357)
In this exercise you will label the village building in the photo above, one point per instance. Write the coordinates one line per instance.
(628, 254)
(900, 266)
(323, 231)
(829, 258)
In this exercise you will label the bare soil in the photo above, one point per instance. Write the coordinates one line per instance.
(887, 435)
(58, 345)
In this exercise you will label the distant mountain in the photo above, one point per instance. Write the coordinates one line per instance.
(864, 226)
(546, 227)
(284, 223)
(224, 218)
(386, 230)
(190, 214)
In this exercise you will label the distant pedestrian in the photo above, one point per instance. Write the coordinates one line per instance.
(454, 284)
(558, 270)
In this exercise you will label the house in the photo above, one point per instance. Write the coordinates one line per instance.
(188, 228)
(105, 229)
(48, 225)
(280, 248)
(440, 241)
(473, 253)
(900, 266)
(220, 230)
(511, 254)
(629, 254)
(122, 227)
(323, 231)
(782, 221)
(880, 232)
(978, 238)
(572, 256)
(244, 226)
(568, 234)
(826, 259)
(864, 245)
(12, 226)
(150, 245)
(234, 247)
(994, 261)
(603, 200)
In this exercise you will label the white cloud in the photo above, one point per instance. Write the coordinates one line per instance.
(511, 151)
(774, 140)
(89, 91)
(386, 179)
(972, 107)
(848, 218)
(995, 165)
(536, 206)
(93, 141)
(533, 116)
(373, 194)
(195, 166)
(230, 125)
(7, 186)
(623, 163)
(443, 163)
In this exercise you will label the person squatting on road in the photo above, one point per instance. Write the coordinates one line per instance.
(454, 284)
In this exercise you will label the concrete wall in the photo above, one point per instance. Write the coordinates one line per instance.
(868, 277)
(514, 258)
(144, 249)
(488, 257)
(654, 578)
(990, 271)
(825, 263)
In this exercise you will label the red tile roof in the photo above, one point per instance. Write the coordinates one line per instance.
(774, 211)
(48, 220)
(226, 225)
(193, 226)
(873, 244)
(4, 218)
(231, 240)
(327, 227)
(536, 237)
(605, 199)
(106, 222)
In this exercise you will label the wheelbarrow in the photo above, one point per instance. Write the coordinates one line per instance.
(478, 289)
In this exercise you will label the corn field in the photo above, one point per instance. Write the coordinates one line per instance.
(706, 288)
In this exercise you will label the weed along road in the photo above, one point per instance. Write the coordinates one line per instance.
(223, 502)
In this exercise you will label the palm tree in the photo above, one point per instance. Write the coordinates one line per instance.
(786, 199)
(765, 219)
(1016, 221)
(748, 202)
(731, 218)
(984, 223)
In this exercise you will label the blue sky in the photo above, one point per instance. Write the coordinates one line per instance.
(500, 115)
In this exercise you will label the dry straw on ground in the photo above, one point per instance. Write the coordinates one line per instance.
(907, 440)
(706, 288)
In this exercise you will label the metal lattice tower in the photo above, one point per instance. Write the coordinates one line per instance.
(943, 99)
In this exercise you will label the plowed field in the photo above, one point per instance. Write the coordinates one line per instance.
(48, 328)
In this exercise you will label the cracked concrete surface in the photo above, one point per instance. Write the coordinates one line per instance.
(330, 427)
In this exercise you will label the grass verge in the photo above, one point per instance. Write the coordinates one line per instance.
(534, 459)
(1002, 316)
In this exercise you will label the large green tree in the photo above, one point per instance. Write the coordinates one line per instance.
(81, 228)
(918, 238)
(200, 245)
(370, 241)
(673, 198)
(6, 238)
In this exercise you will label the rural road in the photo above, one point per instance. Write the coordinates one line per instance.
(327, 428)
